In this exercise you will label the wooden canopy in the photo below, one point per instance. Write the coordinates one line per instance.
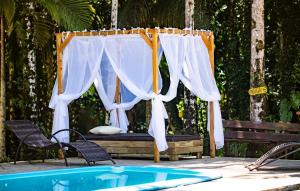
(151, 38)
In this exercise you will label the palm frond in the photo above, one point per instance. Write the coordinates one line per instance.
(7, 8)
(71, 14)
(42, 28)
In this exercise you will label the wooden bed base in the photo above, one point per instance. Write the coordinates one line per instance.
(145, 148)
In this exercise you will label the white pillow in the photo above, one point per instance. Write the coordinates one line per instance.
(107, 130)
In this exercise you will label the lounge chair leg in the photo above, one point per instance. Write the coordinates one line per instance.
(44, 156)
(112, 161)
(17, 154)
(65, 158)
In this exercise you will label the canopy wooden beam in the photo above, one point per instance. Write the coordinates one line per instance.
(155, 82)
(142, 32)
(66, 42)
(137, 31)
(210, 47)
(118, 96)
(59, 55)
(146, 39)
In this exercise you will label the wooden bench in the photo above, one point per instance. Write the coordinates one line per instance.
(260, 133)
(141, 145)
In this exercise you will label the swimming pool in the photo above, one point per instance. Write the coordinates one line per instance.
(108, 178)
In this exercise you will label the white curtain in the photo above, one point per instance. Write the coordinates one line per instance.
(105, 84)
(80, 65)
(197, 76)
(173, 47)
(102, 59)
(131, 59)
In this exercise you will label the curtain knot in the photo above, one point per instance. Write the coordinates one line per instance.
(118, 117)
(61, 106)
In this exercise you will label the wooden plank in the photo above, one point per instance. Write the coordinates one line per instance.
(125, 144)
(186, 143)
(59, 63)
(136, 148)
(288, 126)
(236, 124)
(124, 150)
(155, 81)
(149, 155)
(146, 150)
(147, 143)
(138, 31)
(138, 155)
(205, 39)
(260, 136)
(118, 97)
(146, 39)
(248, 124)
(59, 55)
(210, 47)
(184, 150)
(66, 42)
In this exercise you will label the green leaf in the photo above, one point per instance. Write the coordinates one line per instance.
(295, 100)
(8, 8)
(71, 14)
(284, 111)
(42, 28)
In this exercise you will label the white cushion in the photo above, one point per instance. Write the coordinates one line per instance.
(107, 130)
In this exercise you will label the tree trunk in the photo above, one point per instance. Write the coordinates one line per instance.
(114, 14)
(257, 76)
(2, 91)
(31, 59)
(189, 13)
(190, 109)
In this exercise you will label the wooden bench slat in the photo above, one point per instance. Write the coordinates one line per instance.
(235, 124)
(260, 136)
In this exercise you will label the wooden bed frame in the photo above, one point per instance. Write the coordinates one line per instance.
(141, 145)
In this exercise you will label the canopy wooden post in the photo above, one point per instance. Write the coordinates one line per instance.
(59, 56)
(59, 62)
(155, 81)
(118, 97)
(211, 106)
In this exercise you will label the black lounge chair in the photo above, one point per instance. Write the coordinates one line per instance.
(30, 135)
(90, 151)
(277, 152)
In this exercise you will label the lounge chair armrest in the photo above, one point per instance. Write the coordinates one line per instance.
(37, 131)
(72, 130)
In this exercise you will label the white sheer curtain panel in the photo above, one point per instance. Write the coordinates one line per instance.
(105, 84)
(197, 76)
(131, 59)
(173, 47)
(81, 61)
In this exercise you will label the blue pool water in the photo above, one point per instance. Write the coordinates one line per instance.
(118, 178)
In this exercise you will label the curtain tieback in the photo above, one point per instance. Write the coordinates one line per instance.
(118, 117)
(61, 106)
(157, 124)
